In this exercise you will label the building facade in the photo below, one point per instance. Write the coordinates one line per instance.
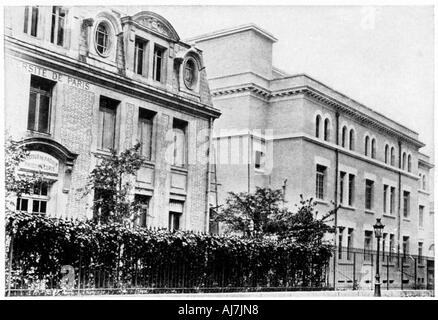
(84, 80)
(295, 133)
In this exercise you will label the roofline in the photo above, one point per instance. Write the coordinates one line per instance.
(233, 30)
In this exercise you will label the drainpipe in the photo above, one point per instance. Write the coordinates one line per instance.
(399, 202)
(249, 159)
(207, 202)
(336, 197)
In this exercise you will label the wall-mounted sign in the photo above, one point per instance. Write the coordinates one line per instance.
(40, 162)
(55, 76)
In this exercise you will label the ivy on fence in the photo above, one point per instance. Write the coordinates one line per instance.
(42, 245)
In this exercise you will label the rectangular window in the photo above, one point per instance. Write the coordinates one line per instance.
(392, 201)
(107, 123)
(385, 197)
(349, 243)
(320, 177)
(369, 190)
(180, 143)
(351, 189)
(158, 66)
(384, 240)
(420, 252)
(36, 201)
(142, 202)
(145, 131)
(421, 216)
(368, 245)
(341, 187)
(58, 26)
(139, 55)
(22, 204)
(176, 209)
(38, 117)
(406, 203)
(31, 20)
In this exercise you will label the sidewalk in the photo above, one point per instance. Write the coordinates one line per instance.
(274, 295)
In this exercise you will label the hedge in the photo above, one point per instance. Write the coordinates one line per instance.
(141, 256)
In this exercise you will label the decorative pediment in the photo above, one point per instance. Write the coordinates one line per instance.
(51, 147)
(155, 23)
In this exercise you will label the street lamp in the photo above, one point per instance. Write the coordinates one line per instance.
(378, 227)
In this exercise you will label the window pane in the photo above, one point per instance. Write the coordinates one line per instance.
(36, 206)
(145, 137)
(34, 26)
(108, 130)
(43, 206)
(61, 22)
(26, 19)
(32, 110)
(44, 189)
(52, 30)
(44, 112)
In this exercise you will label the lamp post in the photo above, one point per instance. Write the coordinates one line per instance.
(378, 227)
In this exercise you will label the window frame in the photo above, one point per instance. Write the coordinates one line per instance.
(54, 28)
(321, 172)
(105, 109)
(369, 194)
(162, 73)
(31, 21)
(108, 36)
(37, 112)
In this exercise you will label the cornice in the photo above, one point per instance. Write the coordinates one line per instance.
(313, 93)
(106, 78)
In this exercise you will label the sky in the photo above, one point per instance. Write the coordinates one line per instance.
(381, 56)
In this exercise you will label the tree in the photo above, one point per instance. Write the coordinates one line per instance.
(17, 183)
(304, 226)
(111, 181)
(262, 213)
(253, 214)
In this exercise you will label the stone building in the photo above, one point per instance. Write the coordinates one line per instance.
(295, 133)
(84, 80)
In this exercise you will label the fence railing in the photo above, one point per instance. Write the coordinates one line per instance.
(354, 270)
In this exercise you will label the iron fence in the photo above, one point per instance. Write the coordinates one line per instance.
(353, 269)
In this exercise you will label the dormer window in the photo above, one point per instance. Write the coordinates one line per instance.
(158, 63)
(31, 20)
(139, 56)
(102, 38)
(190, 74)
(58, 26)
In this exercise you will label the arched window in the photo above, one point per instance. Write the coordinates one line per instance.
(327, 129)
(404, 161)
(409, 163)
(373, 148)
(392, 156)
(317, 125)
(424, 182)
(344, 136)
(351, 139)
(367, 145)
(386, 154)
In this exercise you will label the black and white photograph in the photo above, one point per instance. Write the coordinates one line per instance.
(190, 151)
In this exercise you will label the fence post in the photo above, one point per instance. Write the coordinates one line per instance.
(401, 271)
(354, 271)
(415, 272)
(11, 250)
(387, 273)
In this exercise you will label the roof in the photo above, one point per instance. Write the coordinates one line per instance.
(233, 30)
